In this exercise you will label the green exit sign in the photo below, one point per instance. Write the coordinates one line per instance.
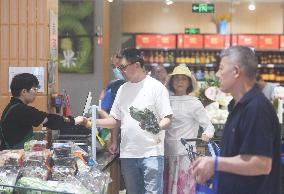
(203, 8)
(191, 30)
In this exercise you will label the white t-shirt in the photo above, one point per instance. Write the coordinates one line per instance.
(189, 114)
(148, 93)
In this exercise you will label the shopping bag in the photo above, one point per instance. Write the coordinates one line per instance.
(213, 184)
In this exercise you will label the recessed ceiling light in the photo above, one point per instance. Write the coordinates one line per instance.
(251, 6)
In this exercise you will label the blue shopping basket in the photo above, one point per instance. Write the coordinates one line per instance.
(212, 186)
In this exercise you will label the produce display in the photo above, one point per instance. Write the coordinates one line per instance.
(147, 118)
(60, 170)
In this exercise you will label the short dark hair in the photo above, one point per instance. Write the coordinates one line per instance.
(23, 81)
(243, 56)
(133, 55)
(172, 89)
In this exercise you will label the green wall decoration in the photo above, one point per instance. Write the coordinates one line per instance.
(76, 33)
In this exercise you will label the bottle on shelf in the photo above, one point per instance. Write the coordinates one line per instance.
(197, 58)
(161, 57)
(171, 57)
(202, 58)
(151, 57)
(156, 57)
(187, 57)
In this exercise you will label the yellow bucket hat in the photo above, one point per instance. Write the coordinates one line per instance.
(183, 70)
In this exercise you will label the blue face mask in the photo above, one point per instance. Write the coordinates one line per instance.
(117, 74)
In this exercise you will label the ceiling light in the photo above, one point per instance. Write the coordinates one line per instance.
(110, 1)
(251, 6)
(169, 2)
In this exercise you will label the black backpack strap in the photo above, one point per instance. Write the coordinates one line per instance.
(1, 131)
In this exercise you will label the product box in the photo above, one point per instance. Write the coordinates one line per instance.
(282, 42)
(268, 41)
(216, 41)
(156, 41)
(146, 41)
(166, 41)
(248, 40)
(192, 41)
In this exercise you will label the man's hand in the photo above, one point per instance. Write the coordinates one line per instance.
(203, 169)
(113, 148)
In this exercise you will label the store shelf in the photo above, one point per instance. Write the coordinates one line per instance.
(278, 66)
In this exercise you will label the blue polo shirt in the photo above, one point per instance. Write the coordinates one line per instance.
(252, 128)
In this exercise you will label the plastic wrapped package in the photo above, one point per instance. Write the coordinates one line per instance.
(11, 158)
(94, 180)
(8, 176)
(60, 173)
(36, 183)
(35, 145)
(64, 161)
(62, 149)
(72, 184)
(41, 172)
(37, 158)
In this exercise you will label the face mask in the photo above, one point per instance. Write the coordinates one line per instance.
(117, 74)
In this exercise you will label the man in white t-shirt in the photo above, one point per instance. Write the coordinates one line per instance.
(141, 152)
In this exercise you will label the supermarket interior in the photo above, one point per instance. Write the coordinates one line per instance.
(64, 65)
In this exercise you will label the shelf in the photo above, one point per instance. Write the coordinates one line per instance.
(270, 66)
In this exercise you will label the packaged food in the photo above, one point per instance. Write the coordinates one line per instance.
(62, 172)
(62, 149)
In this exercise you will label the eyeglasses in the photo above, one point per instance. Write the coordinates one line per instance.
(35, 89)
(124, 66)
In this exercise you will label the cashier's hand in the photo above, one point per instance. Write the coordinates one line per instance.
(80, 120)
(203, 169)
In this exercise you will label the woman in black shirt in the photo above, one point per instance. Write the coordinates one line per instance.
(18, 118)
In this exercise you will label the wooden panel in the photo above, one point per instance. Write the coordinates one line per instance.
(4, 77)
(42, 41)
(4, 42)
(23, 42)
(23, 11)
(42, 12)
(4, 11)
(14, 42)
(31, 11)
(32, 42)
(14, 11)
(4, 100)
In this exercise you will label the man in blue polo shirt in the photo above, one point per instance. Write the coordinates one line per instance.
(249, 162)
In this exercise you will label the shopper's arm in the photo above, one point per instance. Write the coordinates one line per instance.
(113, 148)
(246, 165)
(165, 122)
(109, 122)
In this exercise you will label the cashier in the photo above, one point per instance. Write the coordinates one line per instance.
(18, 118)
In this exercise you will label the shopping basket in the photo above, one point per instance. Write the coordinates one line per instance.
(211, 186)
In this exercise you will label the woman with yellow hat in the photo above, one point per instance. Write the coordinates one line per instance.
(188, 115)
